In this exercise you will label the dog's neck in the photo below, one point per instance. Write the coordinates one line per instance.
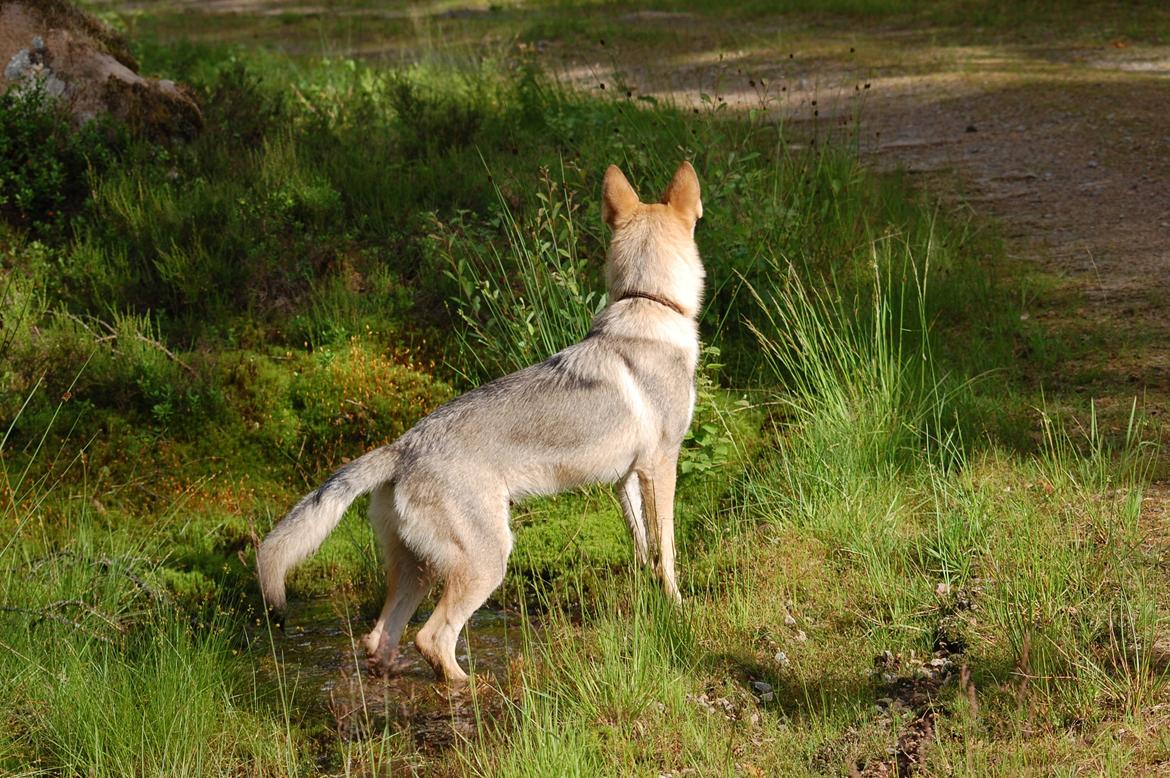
(655, 298)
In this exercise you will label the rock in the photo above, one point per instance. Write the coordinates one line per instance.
(20, 64)
(88, 67)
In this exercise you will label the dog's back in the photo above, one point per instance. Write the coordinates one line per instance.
(582, 416)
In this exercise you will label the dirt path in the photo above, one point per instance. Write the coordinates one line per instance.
(1076, 166)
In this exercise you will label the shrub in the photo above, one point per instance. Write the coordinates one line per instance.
(45, 163)
(521, 304)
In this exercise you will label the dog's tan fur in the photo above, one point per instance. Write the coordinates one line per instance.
(610, 409)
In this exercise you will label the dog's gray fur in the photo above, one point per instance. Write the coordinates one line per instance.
(610, 409)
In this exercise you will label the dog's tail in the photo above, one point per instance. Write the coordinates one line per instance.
(307, 525)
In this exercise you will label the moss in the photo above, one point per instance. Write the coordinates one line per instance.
(352, 399)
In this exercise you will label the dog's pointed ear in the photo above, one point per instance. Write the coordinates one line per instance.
(618, 198)
(682, 194)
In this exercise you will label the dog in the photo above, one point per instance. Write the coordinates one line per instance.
(611, 409)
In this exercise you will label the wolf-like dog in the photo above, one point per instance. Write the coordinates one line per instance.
(611, 409)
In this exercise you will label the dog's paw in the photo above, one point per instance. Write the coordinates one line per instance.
(388, 666)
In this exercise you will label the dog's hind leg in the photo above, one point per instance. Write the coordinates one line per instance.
(472, 575)
(630, 497)
(407, 582)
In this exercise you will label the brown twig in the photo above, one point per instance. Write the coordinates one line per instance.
(114, 335)
(137, 580)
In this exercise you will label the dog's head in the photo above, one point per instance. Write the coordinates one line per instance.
(653, 248)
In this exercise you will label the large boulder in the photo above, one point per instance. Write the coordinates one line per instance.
(53, 45)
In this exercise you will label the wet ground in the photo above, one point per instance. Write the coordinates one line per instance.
(318, 658)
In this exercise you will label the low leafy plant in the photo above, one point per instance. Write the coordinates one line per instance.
(46, 163)
(524, 301)
(431, 122)
(709, 443)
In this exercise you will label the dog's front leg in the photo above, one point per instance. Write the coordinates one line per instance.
(630, 497)
(657, 487)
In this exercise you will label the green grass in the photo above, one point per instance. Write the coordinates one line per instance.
(105, 672)
(208, 328)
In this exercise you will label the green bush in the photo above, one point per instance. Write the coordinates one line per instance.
(522, 302)
(45, 163)
(241, 109)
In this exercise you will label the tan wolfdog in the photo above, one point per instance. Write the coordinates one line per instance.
(610, 409)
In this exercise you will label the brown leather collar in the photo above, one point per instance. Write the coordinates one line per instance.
(655, 298)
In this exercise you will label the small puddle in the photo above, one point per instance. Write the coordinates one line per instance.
(320, 657)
